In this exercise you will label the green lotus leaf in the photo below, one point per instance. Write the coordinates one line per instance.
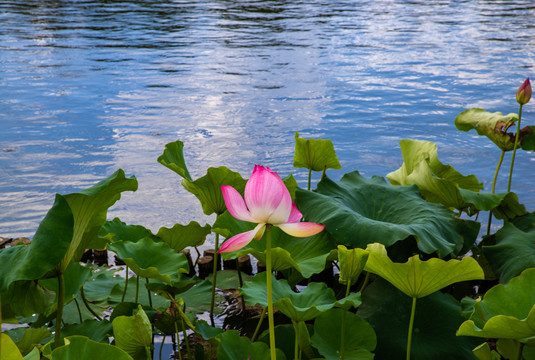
(492, 125)
(306, 255)
(10, 351)
(82, 348)
(180, 236)
(116, 230)
(417, 278)
(483, 352)
(229, 279)
(291, 184)
(436, 319)
(513, 253)
(27, 338)
(35, 354)
(528, 140)
(116, 295)
(360, 338)
(173, 158)
(27, 297)
(208, 188)
(151, 259)
(438, 183)
(306, 305)
(507, 311)
(101, 284)
(133, 334)
(75, 277)
(234, 347)
(503, 206)
(315, 154)
(96, 330)
(89, 208)
(206, 331)
(197, 298)
(359, 211)
(48, 247)
(351, 263)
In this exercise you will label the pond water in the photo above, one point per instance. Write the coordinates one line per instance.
(88, 87)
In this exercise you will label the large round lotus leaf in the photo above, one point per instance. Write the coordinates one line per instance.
(306, 305)
(151, 259)
(507, 311)
(417, 278)
(513, 253)
(235, 347)
(436, 320)
(47, 249)
(306, 255)
(81, 348)
(359, 211)
(359, 338)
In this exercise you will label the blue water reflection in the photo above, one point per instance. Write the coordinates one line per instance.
(89, 86)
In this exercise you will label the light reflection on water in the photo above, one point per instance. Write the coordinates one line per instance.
(87, 87)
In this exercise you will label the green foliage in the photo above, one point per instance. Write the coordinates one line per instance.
(316, 155)
(234, 347)
(351, 263)
(133, 334)
(82, 348)
(180, 236)
(358, 211)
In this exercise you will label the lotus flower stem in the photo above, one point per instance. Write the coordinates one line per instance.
(365, 283)
(240, 280)
(125, 285)
(296, 345)
(411, 325)
(59, 312)
(214, 278)
(148, 292)
(137, 288)
(514, 148)
(494, 187)
(270, 296)
(259, 323)
(343, 330)
(161, 348)
(79, 311)
(178, 339)
(186, 340)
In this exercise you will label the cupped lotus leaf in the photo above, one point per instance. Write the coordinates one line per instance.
(483, 352)
(503, 206)
(306, 255)
(208, 188)
(115, 230)
(360, 339)
(10, 351)
(513, 253)
(33, 355)
(436, 319)
(358, 211)
(351, 263)
(438, 183)
(314, 154)
(82, 348)
(89, 208)
(305, 305)
(180, 236)
(48, 247)
(27, 338)
(492, 125)
(234, 347)
(507, 311)
(417, 278)
(133, 334)
(151, 259)
(173, 158)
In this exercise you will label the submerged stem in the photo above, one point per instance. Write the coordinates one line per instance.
(259, 323)
(514, 148)
(214, 279)
(269, 296)
(86, 303)
(411, 325)
(494, 187)
(59, 312)
(125, 284)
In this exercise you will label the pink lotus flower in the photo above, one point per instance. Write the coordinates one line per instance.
(267, 202)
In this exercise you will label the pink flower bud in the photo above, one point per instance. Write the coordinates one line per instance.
(524, 93)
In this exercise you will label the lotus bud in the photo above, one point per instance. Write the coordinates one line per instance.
(524, 93)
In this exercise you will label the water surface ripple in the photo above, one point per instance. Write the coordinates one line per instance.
(87, 87)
